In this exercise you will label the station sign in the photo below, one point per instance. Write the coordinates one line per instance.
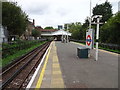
(89, 38)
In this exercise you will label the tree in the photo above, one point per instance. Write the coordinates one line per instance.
(84, 28)
(66, 27)
(13, 18)
(110, 31)
(49, 27)
(75, 29)
(104, 9)
(35, 33)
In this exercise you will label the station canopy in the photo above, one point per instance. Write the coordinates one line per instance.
(61, 32)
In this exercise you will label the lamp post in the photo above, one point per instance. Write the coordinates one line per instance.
(89, 18)
(90, 15)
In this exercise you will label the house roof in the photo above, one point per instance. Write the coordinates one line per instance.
(31, 23)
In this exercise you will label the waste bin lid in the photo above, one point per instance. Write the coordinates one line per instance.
(82, 48)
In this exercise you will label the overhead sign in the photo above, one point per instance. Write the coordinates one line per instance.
(89, 39)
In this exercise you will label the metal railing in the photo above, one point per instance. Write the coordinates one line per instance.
(103, 45)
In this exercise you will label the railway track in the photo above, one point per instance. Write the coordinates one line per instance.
(16, 74)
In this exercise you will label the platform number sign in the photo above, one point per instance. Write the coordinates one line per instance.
(89, 39)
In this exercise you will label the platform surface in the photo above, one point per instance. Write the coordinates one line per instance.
(63, 69)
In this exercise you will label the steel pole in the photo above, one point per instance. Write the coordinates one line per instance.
(97, 37)
(90, 15)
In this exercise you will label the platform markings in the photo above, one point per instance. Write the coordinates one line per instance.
(108, 52)
(57, 80)
(78, 43)
(42, 72)
(36, 72)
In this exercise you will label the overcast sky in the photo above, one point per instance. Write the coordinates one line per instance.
(58, 12)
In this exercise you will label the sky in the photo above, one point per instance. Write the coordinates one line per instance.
(59, 12)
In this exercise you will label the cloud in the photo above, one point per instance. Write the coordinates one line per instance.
(38, 9)
(34, 7)
(56, 12)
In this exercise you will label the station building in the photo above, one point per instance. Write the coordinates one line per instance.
(59, 35)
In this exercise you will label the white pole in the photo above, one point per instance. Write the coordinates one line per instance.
(90, 15)
(67, 33)
(67, 37)
(97, 37)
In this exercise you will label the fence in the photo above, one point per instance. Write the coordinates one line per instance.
(103, 45)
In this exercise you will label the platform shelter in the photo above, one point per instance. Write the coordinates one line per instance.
(62, 35)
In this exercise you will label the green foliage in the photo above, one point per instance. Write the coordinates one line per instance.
(75, 29)
(35, 33)
(78, 31)
(110, 31)
(48, 28)
(84, 28)
(10, 49)
(65, 27)
(104, 9)
(18, 53)
(13, 18)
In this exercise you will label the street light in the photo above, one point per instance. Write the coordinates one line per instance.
(90, 15)
(89, 18)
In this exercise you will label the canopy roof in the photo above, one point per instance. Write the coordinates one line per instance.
(61, 32)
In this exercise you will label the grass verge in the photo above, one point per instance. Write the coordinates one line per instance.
(9, 59)
(115, 51)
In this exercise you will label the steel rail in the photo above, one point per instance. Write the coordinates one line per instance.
(6, 82)
(17, 61)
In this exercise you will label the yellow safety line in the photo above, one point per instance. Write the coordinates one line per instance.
(108, 52)
(78, 43)
(98, 49)
(57, 80)
(42, 72)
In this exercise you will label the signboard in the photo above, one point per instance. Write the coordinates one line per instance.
(89, 39)
(60, 27)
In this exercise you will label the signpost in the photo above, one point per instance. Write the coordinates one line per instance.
(97, 33)
(89, 39)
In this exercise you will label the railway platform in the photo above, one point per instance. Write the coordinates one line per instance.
(61, 68)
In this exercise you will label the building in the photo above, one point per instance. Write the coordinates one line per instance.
(47, 32)
(39, 29)
(61, 35)
(60, 27)
(3, 34)
(28, 33)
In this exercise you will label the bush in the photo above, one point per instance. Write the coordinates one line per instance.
(10, 49)
(110, 31)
